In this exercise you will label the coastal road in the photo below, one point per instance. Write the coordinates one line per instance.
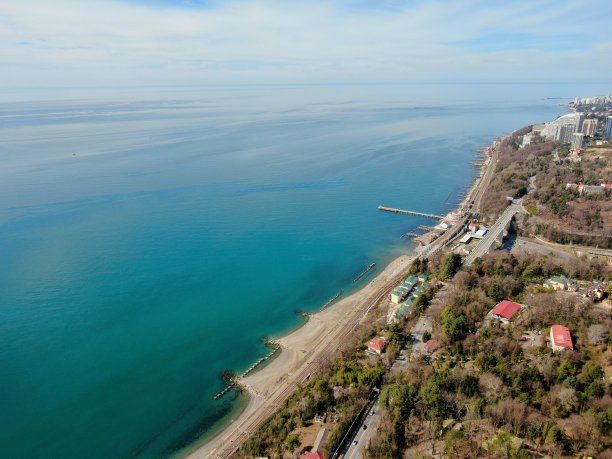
(494, 232)
(363, 435)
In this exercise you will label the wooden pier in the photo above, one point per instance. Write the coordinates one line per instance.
(410, 212)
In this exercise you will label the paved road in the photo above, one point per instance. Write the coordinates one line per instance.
(494, 232)
(422, 325)
(362, 436)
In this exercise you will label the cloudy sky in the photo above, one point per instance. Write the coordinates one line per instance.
(163, 42)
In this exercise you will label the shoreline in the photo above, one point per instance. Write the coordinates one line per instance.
(302, 351)
(264, 387)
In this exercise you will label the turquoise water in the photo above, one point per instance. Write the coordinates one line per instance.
(148, 244)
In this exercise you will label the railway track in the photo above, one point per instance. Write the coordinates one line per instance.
(318, 358)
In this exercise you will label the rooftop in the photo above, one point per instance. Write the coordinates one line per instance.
(506, 309)
(311, 455)
(377, 344)
(561, 336)
(561, 279)
(431, 345)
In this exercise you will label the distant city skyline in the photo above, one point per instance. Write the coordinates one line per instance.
(138, 43)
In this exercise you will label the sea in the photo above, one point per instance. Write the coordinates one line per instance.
(151, 239)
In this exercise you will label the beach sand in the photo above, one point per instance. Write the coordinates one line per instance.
(302, 352)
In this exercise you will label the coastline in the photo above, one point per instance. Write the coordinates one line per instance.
(267, 387)
(302, 351)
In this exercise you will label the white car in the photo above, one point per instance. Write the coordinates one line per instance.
(355, 442)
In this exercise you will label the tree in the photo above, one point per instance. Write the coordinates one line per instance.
(495, 291)
(454, 324)
(450, 266)
(522, 191)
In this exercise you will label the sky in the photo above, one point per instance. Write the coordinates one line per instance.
(113, 43)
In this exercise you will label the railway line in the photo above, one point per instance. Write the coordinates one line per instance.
(318, 357)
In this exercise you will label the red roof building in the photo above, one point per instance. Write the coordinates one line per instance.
(505, 311)
(312, 455)
(473, 227)
(430, 346)
(377, 345)
(560, 338)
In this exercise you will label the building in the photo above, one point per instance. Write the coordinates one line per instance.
(537, 129)
(377, 345)
(591, 189)
(473, 227)
(589, 127)
(481, 232)
(311, 455)
(577, 141)
(560, 338)
(565, 133)
(398, 294)
(430, 346)
(563, 127)
(560, 283)
(608, 133)
(526, 140)
(505, 311)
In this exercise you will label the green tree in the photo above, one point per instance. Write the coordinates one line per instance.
(496, 292)
(450, 266)
(454, 324)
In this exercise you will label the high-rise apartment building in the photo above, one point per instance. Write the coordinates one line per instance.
(609, 128)
(565, 133)
(556, 130)
(589, 127)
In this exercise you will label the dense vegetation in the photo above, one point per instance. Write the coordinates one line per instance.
(561, 214)
(489, 390)
(340, 392)
(486, 393)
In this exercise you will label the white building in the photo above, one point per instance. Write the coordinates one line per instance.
(555, 130)
(609, 128)
(566, 132)
(526, 140)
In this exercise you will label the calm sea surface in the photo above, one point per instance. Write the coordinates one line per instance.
(148, 241)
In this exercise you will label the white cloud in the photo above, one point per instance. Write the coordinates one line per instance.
(112, 43)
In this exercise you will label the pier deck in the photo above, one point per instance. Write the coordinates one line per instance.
(410, 212)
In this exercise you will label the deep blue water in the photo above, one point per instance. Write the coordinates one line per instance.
(149, 241)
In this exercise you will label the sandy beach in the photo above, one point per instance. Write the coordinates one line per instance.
(303, 351)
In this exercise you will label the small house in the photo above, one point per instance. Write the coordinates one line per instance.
(473, 227)
(560, 283)
(560, 338)
(377, 345)
(505, 311)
